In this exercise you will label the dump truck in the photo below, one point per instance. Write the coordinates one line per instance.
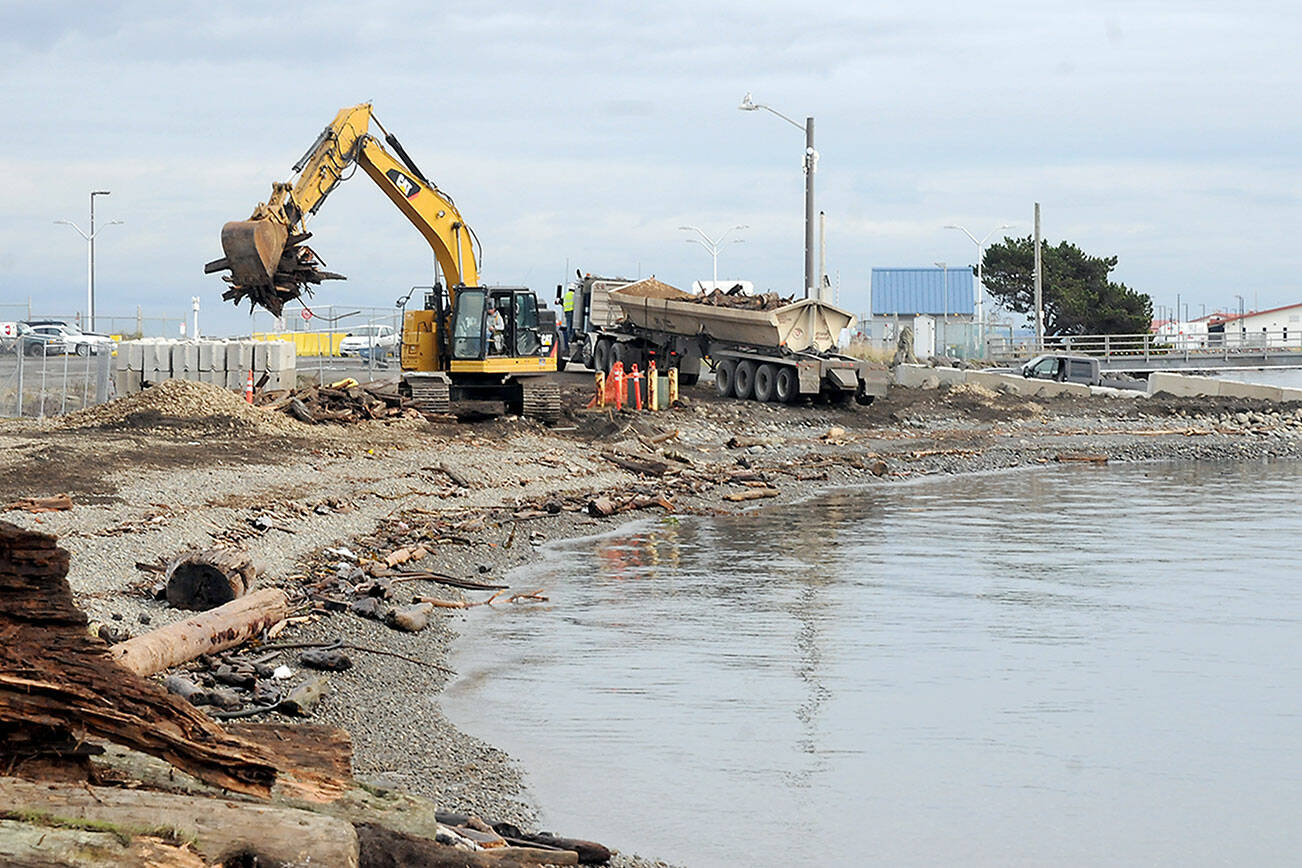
(784, 354)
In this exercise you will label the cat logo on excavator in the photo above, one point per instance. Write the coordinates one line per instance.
(408, 187)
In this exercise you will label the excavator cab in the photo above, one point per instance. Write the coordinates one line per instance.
(499, 328)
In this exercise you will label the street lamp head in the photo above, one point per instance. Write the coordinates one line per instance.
(100, 192)
(746, 104)
(116, 222)
(941, 265)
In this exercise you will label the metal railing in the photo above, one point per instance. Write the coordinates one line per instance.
(1231, 345)
(37, 382)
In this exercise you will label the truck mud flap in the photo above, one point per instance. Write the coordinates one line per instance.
(843, 379)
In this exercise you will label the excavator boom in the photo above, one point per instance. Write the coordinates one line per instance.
(268, 262)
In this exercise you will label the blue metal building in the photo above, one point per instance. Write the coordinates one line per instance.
(914, 291)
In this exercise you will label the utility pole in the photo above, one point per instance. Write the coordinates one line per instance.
(1039, 287)
(944, 324)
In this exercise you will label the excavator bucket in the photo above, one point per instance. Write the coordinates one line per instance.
(253, 249)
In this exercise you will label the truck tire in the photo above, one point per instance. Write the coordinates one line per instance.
(786, 385)
(765, 377)
(603, 356)
(724, 373)
(743, 381)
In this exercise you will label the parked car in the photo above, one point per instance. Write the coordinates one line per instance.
(1063, 369)
(74, 339)
(380, 338)
(34, 343)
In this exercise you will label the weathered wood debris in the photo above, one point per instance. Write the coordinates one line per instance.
(102, 766)
(345, 401)
(735, 298)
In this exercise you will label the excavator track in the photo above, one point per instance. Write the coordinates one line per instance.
(542, 401)
(431, 394)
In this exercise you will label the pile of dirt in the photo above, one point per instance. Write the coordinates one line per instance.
(184, 404)
(652, 288)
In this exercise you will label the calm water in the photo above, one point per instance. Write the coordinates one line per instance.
(1069, 665)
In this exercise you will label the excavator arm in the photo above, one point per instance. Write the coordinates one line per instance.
(269, 263)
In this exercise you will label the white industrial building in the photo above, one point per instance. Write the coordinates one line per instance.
(1277, 327)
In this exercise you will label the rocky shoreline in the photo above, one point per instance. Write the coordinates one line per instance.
(149, 486)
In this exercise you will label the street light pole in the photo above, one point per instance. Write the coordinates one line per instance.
(810, 164)
(981, 284)
(712, 245)
(90, 255)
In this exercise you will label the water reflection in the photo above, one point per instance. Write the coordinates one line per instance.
(1051, 666)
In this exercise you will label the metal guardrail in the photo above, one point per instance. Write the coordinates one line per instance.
(1228, 347)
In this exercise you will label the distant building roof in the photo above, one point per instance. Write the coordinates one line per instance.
(1252, 313)
(910, 291)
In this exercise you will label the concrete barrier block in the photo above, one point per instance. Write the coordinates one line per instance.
(131, 356)
(1183, 386)
(279, 355)
(239, 357)
(260, 355)
(985, 380)
(125, 382)
(212, 356)
(277, 380)
(1231, 389)
(237, 380)
(1286, 394)
(911, 376)
(156, 356)
(185, 359)
(949, 376)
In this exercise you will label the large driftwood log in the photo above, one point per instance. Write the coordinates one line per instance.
(385, 848)
(221, 829)
(36, 845)
(58, 685)
(215, 630)
(203, 580)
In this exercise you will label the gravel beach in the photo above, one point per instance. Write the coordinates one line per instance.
(315, 503)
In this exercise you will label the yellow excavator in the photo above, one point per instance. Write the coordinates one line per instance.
(468, 343)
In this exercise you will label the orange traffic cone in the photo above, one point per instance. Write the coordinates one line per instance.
(248, 388)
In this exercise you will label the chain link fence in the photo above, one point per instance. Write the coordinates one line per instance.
(36, 383)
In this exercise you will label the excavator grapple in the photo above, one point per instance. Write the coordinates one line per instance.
(268, 265)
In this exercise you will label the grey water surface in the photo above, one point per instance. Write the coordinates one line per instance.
(1064, 665)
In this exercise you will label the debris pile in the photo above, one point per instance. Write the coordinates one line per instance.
(735, 298)
(344, 401)
(183, 404)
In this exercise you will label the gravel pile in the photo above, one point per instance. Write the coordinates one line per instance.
(184, 403)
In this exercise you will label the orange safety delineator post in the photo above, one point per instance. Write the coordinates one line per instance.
(637, 387)
(600, 400)
(673, 386)
(248, 388)
(617, 374)
(652, 386)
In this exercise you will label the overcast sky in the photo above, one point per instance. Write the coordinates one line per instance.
(1166, 133)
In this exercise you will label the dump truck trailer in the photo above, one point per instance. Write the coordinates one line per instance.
(785, 355)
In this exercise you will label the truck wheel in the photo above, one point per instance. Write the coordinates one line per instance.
(724, 373)
(786, 385)
(765, 375)
(603, 357)
(743, 382)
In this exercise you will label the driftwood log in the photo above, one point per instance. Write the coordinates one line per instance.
(202, 580)
(215, 630)
(58, 686)
(222, 829)
(31, 845)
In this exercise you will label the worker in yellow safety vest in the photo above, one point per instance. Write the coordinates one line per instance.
(568, 308)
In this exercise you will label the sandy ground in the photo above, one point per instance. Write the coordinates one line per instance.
(149, 486)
